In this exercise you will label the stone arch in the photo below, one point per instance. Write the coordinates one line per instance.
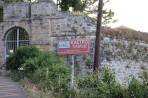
(14, 38)
(9, 27)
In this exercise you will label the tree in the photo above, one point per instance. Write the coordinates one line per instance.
(91, 8)
(76, 4)
(64, 5)
(108, 15)
(1, 13)
(97, 41)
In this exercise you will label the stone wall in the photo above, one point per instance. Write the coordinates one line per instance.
(43, 10)
(124, 57)
(4, 28)
(16, 12)
(124, 51)
(33, 17)
(1, 44)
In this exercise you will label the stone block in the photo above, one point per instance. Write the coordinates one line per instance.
(16, 11)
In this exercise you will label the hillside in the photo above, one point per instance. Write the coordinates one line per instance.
(125, 33)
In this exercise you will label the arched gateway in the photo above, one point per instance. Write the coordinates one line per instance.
(15, 38)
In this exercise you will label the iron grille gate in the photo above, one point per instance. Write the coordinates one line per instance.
(15, 38)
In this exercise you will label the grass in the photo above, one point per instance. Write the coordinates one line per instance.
(33, 90)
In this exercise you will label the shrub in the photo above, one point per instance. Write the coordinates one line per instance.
(103, 86)
(43, 59)
(19, 57)
(136, 89)
(54, 78)
(87, 86)
(115, 90)
(48, 71)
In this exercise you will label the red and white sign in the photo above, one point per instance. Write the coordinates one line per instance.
(74, 46)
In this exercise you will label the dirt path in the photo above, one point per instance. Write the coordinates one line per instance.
(10, 89)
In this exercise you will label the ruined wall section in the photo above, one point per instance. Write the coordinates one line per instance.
(34, 18)
(42, 14)
(42, 21)
(25, 11)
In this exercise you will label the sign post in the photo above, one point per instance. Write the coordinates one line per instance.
(72, 76)
(71, 47)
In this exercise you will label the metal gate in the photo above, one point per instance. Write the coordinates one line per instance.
(15, 38)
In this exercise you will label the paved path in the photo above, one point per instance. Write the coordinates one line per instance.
(10, 89)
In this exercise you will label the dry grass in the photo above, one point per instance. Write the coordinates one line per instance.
(125, 33)
(33, 90)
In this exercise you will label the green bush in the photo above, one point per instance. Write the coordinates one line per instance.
(136, 89)
(43, 59)
(55, 78)
(87, 86)
(103, 86)
(20, 56)
(44, 68)
(48, 71)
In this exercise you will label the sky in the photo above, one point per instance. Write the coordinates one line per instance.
(130, 13)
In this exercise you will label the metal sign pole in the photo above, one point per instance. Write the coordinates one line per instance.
(72, 76)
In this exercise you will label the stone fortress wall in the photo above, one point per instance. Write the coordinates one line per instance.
(45, 25)
(41, 20)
